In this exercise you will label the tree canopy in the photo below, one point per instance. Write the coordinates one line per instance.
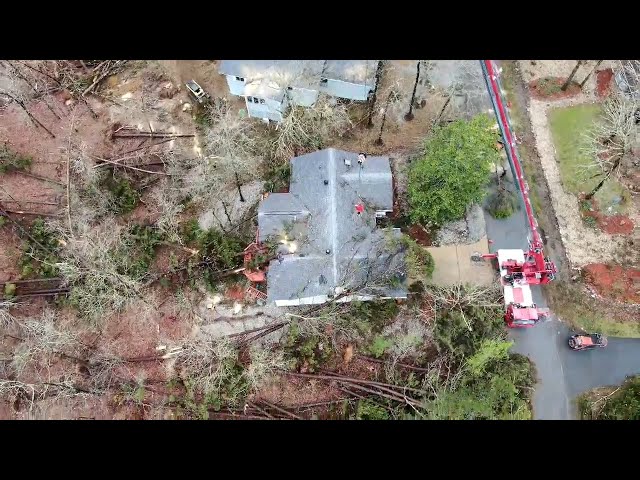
(453, 172)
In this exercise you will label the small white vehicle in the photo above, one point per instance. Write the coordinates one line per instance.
(196, 91)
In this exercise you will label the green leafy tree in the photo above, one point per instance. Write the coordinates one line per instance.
(453, 172)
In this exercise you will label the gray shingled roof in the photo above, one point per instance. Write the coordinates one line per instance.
(319, 217)
(302, 73)
(294, 73)
(353, 71)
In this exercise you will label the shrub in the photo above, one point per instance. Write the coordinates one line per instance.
(419, 261)
(11, 161)
(303, 352)
(502, 204)
(39, 257)
(125, 197)
(453, 172)
(368, 410)
(379, 346)
(623, 404)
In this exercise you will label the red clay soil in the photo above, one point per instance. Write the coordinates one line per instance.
(235, 292)
(614, 281)
(616, 224)
(603, 82)
(611, 224)
(419, 235)
(549, 88)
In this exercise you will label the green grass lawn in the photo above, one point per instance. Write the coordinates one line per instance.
(569, 125)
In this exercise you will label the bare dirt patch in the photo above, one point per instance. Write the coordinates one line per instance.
(550, 88)
(420, 235)
(611, 224)
(614, 281)
(603, 82)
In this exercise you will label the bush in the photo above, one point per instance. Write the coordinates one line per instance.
(367, 318)
(502, 204)
(419, 261)
(460, 331)
(501, 392)
(453, 172)
(125, 197)
(11, 161)
(305, 353)
(367, 410)
(36, 260)
(9, 290)
(140, 250)
(379, 346)
(621, 405)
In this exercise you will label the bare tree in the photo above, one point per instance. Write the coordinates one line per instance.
(566, 84)
(230, 144)
(14, 88)
(611, 138)
(92, 263)
(590, 73)
(208, 363)
(392, 97)
(628, 72)
(42, 339)
(374, 97)
(409, 115)
(307, 128)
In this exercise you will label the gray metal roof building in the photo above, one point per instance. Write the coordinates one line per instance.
(325, 243)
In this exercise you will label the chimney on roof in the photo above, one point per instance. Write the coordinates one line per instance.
(361, 158)
(347, 162)
(326, 182)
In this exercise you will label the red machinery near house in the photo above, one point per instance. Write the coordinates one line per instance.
(518, 268)
(254, 273)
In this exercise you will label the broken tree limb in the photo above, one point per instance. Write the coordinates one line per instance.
(403, 365)
(153, 135)
(38, 177)
(282, 410)
(133, 168)
(38, 214)
(28, 201)
(107, 69)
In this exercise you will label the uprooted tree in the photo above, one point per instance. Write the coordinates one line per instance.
(453, 171)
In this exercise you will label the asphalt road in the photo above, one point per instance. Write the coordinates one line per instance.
(562, 373)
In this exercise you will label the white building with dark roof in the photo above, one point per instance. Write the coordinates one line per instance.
(327, 232)
(269, 86)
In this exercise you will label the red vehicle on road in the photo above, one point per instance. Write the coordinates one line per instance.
(587, 342)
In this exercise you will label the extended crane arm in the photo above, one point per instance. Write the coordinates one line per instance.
(537, 268)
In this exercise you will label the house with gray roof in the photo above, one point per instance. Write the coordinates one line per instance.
(329, 244)
(270, 86)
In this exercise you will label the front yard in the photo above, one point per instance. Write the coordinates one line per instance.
(569, 127)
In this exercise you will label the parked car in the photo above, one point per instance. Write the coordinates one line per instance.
(196, 91)
(586, 342)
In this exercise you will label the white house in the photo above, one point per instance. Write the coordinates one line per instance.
(350, 79)
(268, 86)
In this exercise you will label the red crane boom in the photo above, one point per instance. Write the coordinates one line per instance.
(518, 268)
